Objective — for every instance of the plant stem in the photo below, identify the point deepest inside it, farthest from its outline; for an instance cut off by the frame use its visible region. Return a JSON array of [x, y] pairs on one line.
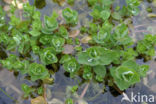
[[137, 26], [7, 94], [117, 89], [55, 67], [15, 3], [84, 91], [137, 31]]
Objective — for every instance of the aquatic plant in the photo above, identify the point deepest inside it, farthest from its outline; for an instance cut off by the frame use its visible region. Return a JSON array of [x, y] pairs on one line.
[[35, 47], [71, 16]]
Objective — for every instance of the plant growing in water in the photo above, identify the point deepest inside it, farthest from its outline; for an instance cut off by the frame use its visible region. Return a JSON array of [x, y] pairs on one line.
[[33, 46]]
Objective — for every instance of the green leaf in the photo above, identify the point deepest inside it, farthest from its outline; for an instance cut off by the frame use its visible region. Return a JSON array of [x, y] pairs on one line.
[[101, 37], [107, 2], [58, 43], [87, 74], [24, 47], [71, 66], [23, 26], [37, 71], [124, 76], [132, 6], [48, 56], [40, 90], [35, 33], [105, 14], [90, 57], [45, 39], [97, 56], [116, 16], [129, 54], [65, 58], [146, 46], [63, 32], [92, 2], [69, 101], [27, 90], [108, 56], [35, 49], [121, 35], [9, 62], [50, 24], [21, 66], [143, 70], [11, 45], [14, 21], [131, 64], [70, 16], [95, 14], [74, 89], [36, 15], [93, 28], [4, 38], [28, 10], [2, 17], [107, 26], [37, 25], [70, 1], [100, 71]]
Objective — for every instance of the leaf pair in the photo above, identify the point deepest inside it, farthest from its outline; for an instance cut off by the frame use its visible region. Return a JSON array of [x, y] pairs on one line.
[[70, 64], [70, 16], [50, 24], [97, 56], [128, 74], [146, 46]]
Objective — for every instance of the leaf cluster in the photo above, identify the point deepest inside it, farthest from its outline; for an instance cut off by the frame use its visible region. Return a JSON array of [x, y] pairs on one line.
[[33, 45]]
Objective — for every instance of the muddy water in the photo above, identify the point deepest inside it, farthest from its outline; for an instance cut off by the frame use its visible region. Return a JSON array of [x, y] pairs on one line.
[[142, 25]]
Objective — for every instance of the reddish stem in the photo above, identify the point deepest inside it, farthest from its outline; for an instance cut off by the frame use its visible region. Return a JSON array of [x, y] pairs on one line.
[[141, 31], [84, 91], [44, 93]]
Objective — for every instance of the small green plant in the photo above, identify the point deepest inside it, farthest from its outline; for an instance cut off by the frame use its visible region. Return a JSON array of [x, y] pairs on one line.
[[34, 46], [27, 90], [37, 71], [70, 2], [50, 24], [69, 101], [71, 16]]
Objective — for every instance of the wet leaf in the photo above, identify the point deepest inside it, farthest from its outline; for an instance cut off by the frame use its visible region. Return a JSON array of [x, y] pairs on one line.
[[48, 56], [38, 71], [70, 16]]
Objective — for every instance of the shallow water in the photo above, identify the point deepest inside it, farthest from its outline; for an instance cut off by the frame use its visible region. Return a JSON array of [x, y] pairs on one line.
[[11, 84]]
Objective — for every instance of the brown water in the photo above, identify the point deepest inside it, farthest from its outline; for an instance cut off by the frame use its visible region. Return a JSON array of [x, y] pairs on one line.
[[143, 25]]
